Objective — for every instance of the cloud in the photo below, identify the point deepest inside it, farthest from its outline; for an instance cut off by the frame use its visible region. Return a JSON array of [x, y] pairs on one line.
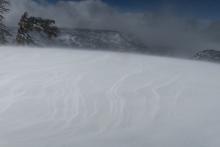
[[164, 30]]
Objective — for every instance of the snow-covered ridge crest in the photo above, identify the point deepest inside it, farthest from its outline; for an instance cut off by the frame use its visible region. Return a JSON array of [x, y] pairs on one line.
[[108, 40]]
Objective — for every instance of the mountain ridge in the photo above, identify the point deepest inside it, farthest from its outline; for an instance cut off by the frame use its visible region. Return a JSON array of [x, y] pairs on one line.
[[86, 38]]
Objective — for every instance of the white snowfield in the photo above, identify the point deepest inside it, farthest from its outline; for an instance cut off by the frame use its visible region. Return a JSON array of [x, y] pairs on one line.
[[73, 98]]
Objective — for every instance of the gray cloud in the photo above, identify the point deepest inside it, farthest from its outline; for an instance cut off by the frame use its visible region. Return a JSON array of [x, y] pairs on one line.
[[159, 30]]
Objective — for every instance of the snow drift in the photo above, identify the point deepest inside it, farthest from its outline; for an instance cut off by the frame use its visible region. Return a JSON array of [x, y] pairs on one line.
[[63, 98]]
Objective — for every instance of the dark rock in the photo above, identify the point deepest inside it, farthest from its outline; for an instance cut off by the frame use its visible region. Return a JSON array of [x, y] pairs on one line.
[[208, 55]]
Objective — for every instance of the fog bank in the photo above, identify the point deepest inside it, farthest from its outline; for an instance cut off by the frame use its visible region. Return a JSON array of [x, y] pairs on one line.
[[160, 30]]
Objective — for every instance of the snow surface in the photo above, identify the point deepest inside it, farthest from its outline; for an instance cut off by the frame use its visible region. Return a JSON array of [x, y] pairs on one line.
[[72, 98]]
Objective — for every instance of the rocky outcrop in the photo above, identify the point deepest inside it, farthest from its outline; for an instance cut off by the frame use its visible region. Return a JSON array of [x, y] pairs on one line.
[[208, 55]]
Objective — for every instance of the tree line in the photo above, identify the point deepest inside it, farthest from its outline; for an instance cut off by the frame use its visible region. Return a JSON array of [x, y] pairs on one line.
[[26, 25]]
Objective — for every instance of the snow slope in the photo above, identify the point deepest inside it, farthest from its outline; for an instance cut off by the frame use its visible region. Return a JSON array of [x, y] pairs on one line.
[[73, 98]]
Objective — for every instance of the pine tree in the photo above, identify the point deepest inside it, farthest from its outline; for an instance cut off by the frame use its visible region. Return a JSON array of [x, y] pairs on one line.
[[23, 36], [3, 29], [37, 24]]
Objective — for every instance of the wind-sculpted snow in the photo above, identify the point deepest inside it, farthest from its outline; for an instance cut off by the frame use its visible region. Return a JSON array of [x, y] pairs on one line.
[[73, 98]]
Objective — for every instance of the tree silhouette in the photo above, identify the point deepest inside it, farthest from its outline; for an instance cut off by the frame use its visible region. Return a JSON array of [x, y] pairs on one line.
[[29, 24], [3, 29]]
